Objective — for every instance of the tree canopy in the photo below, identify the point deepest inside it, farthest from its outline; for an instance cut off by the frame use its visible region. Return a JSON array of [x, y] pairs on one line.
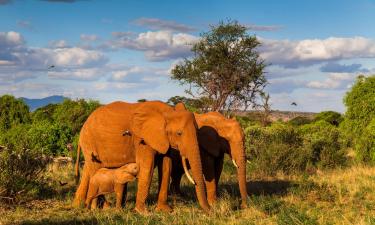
[[226, 67], [360, 116], [12, 112]]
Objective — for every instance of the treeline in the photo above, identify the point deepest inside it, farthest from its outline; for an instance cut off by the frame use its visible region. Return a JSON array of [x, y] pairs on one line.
[[330, 140], [29, 140]]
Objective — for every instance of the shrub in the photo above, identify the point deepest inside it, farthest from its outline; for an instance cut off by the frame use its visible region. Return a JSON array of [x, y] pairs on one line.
[[299, 120], [275, 148], [12, 112], [366, 143], [322, 140], [360, 104], [331, 117], [289, 149], [20, 173], [46, 137]]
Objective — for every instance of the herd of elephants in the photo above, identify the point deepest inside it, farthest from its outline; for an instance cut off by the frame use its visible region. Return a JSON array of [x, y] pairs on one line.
[[123, 142]]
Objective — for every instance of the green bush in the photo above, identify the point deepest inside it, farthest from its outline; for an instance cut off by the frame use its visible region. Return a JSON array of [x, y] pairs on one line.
[[275, 148], [334, 118], [360, 112], [322, 140], [299, 120], [21, 172], [12, 112], [366, 143], [285, 148]]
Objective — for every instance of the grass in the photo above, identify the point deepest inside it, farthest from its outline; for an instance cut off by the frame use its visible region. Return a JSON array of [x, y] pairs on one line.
[[341, 196]]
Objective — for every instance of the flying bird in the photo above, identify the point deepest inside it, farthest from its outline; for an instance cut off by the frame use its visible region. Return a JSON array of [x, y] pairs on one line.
[[51, 67], [293, 103]]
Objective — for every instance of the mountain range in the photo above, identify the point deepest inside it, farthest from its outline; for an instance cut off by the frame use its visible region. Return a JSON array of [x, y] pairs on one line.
[[37, 103]]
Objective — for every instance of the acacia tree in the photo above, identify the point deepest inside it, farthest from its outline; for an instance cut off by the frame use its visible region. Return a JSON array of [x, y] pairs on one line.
[[226, 68]]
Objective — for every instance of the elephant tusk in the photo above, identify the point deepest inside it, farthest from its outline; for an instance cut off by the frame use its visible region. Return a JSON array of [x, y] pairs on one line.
[[248, 161], [234, 163], [187, 171]]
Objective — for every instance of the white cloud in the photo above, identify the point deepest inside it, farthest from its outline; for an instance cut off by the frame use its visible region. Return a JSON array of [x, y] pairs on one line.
[[334, 81], [58, 44], [312, 51], [157, 45]]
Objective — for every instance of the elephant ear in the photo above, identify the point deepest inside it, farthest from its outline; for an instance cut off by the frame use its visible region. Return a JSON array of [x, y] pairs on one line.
[[209, 140], [180, 107], [123, 177], [149, 125]]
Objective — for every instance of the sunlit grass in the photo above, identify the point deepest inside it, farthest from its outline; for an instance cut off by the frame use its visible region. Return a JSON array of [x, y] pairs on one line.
[[341, 196]]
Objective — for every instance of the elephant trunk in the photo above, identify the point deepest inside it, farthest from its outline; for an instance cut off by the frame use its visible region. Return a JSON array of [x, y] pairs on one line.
[[196, 168], [239, 157]]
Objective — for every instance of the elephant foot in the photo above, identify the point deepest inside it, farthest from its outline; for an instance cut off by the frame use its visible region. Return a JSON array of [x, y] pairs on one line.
[[142, 210], [164, 208], [211, 202], [243, 205], [78, 203], [106, 205]]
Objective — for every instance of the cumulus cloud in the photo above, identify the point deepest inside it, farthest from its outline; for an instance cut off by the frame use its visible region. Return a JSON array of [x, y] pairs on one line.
[[334, 81], [18, 61], [339, 68], [58, 44], [158, 24], [292, 54], [157, 45]]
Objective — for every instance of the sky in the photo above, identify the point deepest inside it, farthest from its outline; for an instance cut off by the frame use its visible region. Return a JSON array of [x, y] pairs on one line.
[[124, 50]]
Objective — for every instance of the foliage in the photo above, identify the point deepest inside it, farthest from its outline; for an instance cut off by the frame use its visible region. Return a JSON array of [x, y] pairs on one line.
[[194, 105], [275, 148], [360, 112], [12, 112], [74, 113], [20, 173], [226, 67], [299, 120], [289, 149], [331, 117], [322, 140]]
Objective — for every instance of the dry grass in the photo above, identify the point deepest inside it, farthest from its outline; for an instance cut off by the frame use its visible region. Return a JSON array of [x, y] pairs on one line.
[[342, 196]]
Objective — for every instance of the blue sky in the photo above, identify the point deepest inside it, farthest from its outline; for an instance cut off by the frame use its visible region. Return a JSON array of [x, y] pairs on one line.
[[124, 50]]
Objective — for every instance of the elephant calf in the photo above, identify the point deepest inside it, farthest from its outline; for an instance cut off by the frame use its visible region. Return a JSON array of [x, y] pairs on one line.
[[107, 181]]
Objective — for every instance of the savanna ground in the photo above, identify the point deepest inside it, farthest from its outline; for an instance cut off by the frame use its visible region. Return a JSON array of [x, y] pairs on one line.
[[339, 196]]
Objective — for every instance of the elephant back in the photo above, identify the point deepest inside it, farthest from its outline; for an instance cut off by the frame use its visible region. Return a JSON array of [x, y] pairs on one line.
[[102, 134]]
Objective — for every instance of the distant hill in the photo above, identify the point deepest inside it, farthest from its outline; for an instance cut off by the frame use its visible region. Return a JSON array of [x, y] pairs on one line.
[[37, 103]]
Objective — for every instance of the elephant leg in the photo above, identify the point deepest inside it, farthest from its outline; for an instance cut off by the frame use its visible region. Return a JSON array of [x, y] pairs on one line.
[[81, 193], [145, 159], [91, 195], [176, 182], [218, 169], [119, 190], [209, 175], [94, 203], [124, 195], [164, 171]]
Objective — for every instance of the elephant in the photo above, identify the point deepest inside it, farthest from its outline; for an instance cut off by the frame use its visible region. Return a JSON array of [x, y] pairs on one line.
[[217, 135], [121, 133], [106, 181]]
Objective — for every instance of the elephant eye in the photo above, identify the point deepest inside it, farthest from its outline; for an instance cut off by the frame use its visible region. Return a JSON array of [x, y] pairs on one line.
[[179, 133]]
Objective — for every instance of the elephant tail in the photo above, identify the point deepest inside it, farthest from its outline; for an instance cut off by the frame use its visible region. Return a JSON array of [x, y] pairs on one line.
[[76, 169]]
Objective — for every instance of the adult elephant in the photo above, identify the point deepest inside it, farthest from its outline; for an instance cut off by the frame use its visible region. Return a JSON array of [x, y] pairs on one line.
[[217, 135], [121, 133]]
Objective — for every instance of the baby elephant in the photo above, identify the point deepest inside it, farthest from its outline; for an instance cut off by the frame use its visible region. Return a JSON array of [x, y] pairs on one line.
[[106, 181]]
